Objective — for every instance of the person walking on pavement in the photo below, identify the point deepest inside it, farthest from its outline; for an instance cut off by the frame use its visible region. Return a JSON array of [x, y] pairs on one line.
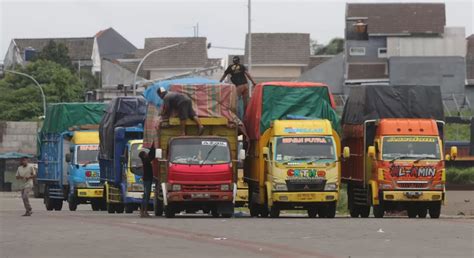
[[147, 178], [238, 76], [173, 103], [26, 173]]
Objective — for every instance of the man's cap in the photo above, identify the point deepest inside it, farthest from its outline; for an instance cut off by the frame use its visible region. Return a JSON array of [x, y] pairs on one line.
[[236, 58], [161, 90]]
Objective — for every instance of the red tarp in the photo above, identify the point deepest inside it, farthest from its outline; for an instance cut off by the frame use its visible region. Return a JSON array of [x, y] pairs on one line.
[[253, 114]]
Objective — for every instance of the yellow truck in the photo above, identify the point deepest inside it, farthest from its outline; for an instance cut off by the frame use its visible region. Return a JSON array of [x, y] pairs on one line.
[[295, 166]]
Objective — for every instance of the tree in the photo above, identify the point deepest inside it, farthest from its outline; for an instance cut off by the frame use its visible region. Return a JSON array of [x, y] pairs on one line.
[[58, 53], [334, 47], [20, 98]]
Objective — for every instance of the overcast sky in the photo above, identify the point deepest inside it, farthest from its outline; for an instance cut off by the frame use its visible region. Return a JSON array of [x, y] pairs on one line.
[[223, 22]]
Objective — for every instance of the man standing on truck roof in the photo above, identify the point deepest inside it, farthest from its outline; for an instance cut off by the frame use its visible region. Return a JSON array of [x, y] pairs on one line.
[[174, 102], [238, 76], [147, 178], [26, 173]]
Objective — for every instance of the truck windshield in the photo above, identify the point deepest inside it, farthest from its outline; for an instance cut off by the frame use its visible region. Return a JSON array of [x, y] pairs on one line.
[[199, 151], [87, 154], [135, 164], [304, 148], [410, 147]]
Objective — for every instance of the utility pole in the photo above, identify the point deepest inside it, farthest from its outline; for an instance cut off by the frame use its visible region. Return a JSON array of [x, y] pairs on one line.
[[249, 57]]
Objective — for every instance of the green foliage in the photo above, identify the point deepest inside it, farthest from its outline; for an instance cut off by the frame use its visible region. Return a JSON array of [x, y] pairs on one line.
[[21, 99], [460, 175], [334, 47], [91, 82], [58, 53], [457, 132], [342, 202]]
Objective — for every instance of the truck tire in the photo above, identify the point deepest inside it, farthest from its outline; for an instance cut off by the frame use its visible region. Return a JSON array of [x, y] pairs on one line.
[[110, 207], [364, 211], [96, 205], [58, 205], [378, 211], [312, 212], [354, 211], [169, 212], [119, 208], [264, 212], [129, 208], [227, 215], [214, 213], [412, 211], [331, 210], [253, 210], [48, 202], [274, 212], [157, 207], [72, 203], [422, 212], [435, 210]]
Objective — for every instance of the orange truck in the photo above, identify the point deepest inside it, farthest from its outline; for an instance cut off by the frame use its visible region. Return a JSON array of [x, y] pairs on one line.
[[397, 163]]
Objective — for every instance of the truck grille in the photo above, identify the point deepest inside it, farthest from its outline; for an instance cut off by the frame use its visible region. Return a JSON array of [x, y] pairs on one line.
[[305, 184], [91, 184], [412, 184], [200, 188]]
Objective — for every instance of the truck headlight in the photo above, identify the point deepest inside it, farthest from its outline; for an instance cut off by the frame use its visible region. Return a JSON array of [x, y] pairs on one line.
[[135, 187], [281, 187], [176, 188], [81, 185], [385, 186], [225, 187], [439, 186], [330, 187]]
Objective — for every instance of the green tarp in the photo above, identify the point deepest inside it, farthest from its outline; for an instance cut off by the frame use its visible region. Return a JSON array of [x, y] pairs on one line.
[[61, 116], [278, 102]]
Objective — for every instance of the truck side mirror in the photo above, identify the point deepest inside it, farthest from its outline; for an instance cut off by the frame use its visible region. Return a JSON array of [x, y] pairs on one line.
[[346, 153], [454, 152], [241, 154], [447, 157], [266, 152], [371, 152], [68, 157], [158, 153]]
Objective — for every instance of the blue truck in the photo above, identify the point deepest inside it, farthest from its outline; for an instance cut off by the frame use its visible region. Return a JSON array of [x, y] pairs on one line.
[[121, 137], [68, 149]]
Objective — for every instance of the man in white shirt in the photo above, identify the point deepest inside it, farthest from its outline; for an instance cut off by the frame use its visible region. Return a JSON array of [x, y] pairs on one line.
[[26, 173]]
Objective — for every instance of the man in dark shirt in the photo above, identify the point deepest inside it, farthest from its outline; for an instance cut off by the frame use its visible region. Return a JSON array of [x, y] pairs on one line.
[[238, 76], [174, 102], [147, 178]]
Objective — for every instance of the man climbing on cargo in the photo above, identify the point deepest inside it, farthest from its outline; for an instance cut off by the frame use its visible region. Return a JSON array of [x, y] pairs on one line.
[[238, 76], [26, 173], [147, 178], [181, 104]]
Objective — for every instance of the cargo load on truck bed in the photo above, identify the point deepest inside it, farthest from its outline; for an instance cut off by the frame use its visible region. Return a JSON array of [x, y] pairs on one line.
[[275, 100], [61, 116], [377, 101], [121, 112], [209, 100]]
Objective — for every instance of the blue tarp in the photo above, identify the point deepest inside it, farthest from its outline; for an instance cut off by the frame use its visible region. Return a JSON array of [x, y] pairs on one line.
[[14, 155], [150, 93]]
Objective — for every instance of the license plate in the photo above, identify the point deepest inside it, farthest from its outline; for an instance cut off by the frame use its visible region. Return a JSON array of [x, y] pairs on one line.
[[200, 195], [413, 195], [305, 196]]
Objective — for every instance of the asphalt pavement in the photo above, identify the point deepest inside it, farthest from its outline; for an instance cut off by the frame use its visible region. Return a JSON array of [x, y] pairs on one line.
[[85, 233]]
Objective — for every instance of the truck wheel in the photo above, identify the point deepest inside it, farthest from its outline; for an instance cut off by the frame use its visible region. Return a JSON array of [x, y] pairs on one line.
[[96, 205], [422, 212], [323, 212], [119, 208], [169, 212], [157, 207], [110, 207], [129, 208], [72, 203], [214, 213], [253, 210], [274, 212], [364, 211], [412, 212], [331, 210], [264, 212], [312, 212], [58, 205], [227, 215], [48, 203], [435, 210], [378, 211], [354, 211]]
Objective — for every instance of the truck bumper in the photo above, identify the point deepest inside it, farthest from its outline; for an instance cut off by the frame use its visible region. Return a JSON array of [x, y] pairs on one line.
[[300, 197], [412, 196], [136, 197], [200, 196], [90, 193], [242, 195]]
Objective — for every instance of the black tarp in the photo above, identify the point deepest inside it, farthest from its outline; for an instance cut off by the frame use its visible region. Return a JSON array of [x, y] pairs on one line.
[[381, 101], [121, 112]]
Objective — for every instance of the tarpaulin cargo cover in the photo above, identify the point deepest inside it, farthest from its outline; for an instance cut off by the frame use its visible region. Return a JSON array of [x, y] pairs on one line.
[[61, 116], [121, 112], [380, 101], [276, 100], [214, 100]]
